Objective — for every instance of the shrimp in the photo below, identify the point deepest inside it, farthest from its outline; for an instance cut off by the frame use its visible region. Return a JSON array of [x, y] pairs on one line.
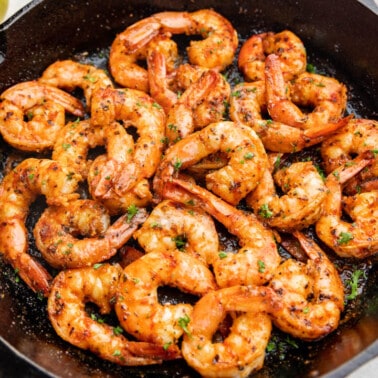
[[247, 159], [247, 106], [70, 292], [68, 75], [123, 58], [58, 229], [173, 225], [255, 262], [201, 104], [243, 350], [133, 108], [299, 207], [44, 108], [18, 190], [358, 136], [286, 45], [358, 239], [137, 306], [311, 294], [326, 95]]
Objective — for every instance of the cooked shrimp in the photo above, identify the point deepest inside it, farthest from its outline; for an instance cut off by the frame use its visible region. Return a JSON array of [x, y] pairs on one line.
[[248, 104], [18, 190], [137, 306], [247, 159], [201, 104], [359, 238], [326, 95], [68, 75], [300, 206], [243, 350], [44, 108], [137, 109], [70, 292], [311, 294], [255, 262], [286, 45], [58, 230], [172, 225], [128, 49], [358, 136]]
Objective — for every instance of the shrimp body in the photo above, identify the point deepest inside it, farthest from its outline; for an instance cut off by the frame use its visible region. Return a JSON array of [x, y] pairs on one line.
[[68, 75], [311, 294], [255, 262], [137, 306], [134, 108], [247, 159], [356, 239], [299, 207], [70, 292], [286, 45], [243, 350], [326, 95], [18, 190], [44, 108], [201, 104], [57, 234], [173, 225]]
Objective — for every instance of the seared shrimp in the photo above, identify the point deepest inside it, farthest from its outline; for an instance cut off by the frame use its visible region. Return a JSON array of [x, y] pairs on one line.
[[358, 238], [255, 262], [311, 294], [300, 206], [243, 350], [358, 136], [18, 190], [43, 107], [70, 292], [286, 45], [68, 75], [248, 104], [133, 108], [172, 225], [138, 308], [247, 159], [58, 230], [326, 95], [201, 104]]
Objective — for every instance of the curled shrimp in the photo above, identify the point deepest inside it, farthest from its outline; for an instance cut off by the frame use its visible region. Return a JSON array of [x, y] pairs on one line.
[[70, 292], [326, 95], [68, 75], [358, 136], [286, 45], [247, 159], [18, 190], [256, 260], [243, 350], [42, 106], [300, 206], [201, 104], [356, 239], [58, 230], [172, 225], [137, 109], [311, 294], [248, 105], [138, 308]]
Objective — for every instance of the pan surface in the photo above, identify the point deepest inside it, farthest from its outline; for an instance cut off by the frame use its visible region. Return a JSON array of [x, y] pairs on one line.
[[341, 39]]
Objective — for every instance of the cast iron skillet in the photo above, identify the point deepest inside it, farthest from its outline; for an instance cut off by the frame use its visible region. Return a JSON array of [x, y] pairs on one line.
[[341, 39]]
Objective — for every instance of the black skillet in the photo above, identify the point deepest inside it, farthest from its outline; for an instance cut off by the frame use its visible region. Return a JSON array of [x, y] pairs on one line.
[[341, 38]]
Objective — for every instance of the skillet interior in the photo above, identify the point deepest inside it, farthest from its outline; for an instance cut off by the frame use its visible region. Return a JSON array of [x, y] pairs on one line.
[[341, 39]]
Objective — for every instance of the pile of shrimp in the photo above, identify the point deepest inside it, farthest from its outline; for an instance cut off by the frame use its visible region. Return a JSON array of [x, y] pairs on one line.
[[185, 151]]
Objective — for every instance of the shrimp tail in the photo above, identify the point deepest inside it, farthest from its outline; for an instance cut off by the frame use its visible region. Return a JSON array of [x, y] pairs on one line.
[[323, 131]]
